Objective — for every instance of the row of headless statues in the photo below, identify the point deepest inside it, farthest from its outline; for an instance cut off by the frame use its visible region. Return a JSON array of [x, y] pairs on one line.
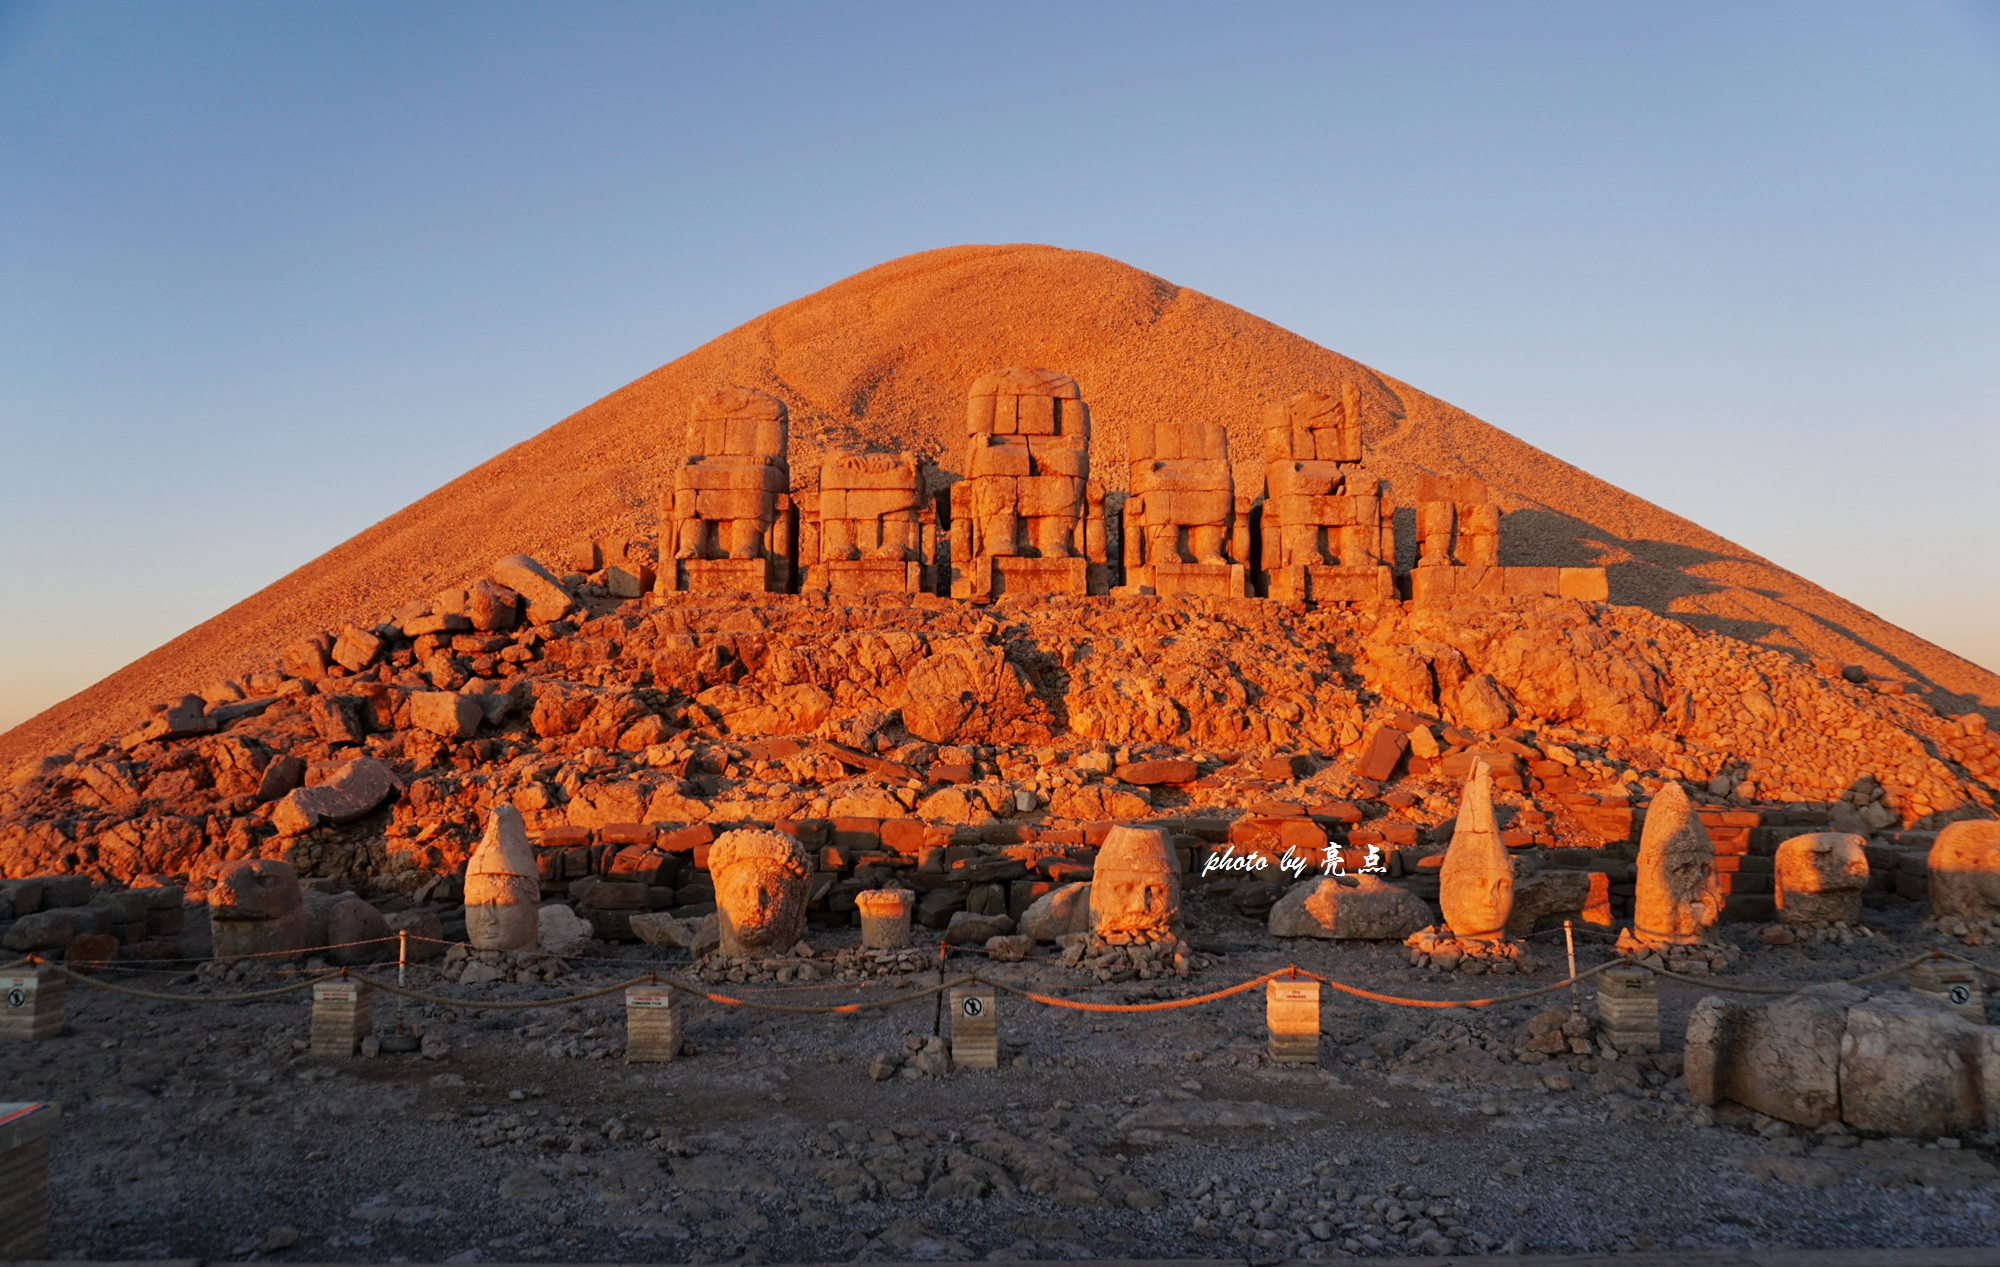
[[1028, 518]]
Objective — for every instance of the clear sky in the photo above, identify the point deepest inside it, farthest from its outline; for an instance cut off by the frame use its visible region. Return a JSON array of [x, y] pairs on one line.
[[269, 272]]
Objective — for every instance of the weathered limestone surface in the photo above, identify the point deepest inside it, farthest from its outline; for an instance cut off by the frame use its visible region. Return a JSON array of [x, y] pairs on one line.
[[730, 525], [871, 531], [502, 886], [1678, 897], [1135, 890], [1368, 909], [1182, 529], [761, 878], [1476, 883], [1965, 870], [1027, 518], [1820, 878], [354, 790]]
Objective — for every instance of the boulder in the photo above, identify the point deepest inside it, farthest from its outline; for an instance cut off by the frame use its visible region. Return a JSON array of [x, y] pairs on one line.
[[1369, 909], [1546, 899], [546, 598], [1058, 913], [1965, 871], [697, 936], [356, 649], [563, 932], [1780, 1058], [967, 929], [357, 933], [1820, 878], [1149, 773], [44, 930], [447, 714], [502, 886], [353, 791]]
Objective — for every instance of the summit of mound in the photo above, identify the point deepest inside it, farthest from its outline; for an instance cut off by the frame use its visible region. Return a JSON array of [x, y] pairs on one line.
[[883, 359]]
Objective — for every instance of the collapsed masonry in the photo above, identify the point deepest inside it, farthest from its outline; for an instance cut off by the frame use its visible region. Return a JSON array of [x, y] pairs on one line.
[[1025, 517]]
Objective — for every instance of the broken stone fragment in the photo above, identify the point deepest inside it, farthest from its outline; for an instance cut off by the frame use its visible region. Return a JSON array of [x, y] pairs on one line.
[[493, 607], [967, 929], [357, 933], [309, 658], [561, 931], [354, 790], [1368, 910], [1060, 912], [187, 716], [446, 714], [356, 649], [547, 599]]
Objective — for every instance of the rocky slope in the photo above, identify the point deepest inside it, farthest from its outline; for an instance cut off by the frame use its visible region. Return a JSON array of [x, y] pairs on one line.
[[884, 358]]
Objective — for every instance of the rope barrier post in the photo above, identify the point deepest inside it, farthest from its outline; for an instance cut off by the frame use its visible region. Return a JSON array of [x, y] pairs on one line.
[[975, 1027], [1628, 1007], [937, 1010], [402, 1041], [1952, 983], [652, 1023], [27, 1133], [1569, 944], [343, 1013], [1291, 1014], [31, 1003]]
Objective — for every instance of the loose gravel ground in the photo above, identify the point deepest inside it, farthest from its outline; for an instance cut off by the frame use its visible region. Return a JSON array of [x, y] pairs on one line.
[[204, 1130]]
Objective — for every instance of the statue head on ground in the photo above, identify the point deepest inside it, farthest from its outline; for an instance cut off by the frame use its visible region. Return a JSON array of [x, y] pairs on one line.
[[1136, 887], [761, 884], [1678, 897], [1476, 883]]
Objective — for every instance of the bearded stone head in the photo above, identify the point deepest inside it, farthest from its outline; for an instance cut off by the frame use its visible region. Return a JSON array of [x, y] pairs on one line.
[[1135, 887], [761, 882]]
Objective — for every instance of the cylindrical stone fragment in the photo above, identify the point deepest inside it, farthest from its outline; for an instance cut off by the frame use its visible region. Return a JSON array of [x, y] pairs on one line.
[[885, 917]]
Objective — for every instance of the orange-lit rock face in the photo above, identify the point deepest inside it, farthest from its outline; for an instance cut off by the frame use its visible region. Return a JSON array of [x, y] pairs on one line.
[[761, 880], [255, 907], [1134, 889]]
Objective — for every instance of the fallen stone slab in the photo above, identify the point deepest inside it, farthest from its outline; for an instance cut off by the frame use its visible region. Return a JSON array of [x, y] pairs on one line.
[[547, 599], [356, 789]]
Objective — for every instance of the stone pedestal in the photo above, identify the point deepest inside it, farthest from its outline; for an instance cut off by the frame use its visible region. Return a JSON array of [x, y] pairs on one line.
[[1588, 585], [1291, 1014], [31, 1004], [1217, 580], [885, 917], [27, 1132], [975, 1029], [874, 576], [726, 576], [1628, 1009], [1956, 985], [652, 1023], [1309, 583], [343, 1013]]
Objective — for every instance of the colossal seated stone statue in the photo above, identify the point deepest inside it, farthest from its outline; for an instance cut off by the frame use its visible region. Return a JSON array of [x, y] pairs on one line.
[[1027, 518], [871, 531], [1183, 534], [731, 524], [1458, 550], [1327, 528]]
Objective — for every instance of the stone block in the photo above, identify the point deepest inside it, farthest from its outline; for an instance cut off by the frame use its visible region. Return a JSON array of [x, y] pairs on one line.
[[1628, 1009], [27, 1134], [652, 1023], [1291, 1016], [1369, 909], [356, 649], [885, 917], [446, 714], [343, 1013], [726, 576], [1532, 582], [31, 1004], [873, 576], [975, 1028], [1588, 585], [1040, 576], [1781, 1058], [547, 600], [1218, 580], [1910, 1066]]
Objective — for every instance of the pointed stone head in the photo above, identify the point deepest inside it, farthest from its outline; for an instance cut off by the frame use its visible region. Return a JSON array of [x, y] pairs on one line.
[[1135, 886], [1678, 895], [1476, 883], [762, 880], [503, 888]]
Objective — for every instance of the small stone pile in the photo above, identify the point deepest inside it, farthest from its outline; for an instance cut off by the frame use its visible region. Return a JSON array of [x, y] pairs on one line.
[[1973, 932], [477, 967], [1696, 960], [1813, 935], [1437, 948], [920, 1058], [1118, 957], [743, 970]]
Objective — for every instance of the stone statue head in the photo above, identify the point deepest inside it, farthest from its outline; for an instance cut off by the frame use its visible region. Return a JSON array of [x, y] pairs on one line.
[[1678, 896], [1965, 870], [255, 889], [1135, 887], [761, 881], [1820, 878], [1476, 883]]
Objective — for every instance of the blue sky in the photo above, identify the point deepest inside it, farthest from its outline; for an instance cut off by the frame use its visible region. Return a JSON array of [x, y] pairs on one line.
[[270, 272]]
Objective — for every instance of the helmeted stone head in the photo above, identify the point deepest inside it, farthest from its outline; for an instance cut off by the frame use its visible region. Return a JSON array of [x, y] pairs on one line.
[[1476, 883], [761, 881], [1135, 887], [1820, 878]]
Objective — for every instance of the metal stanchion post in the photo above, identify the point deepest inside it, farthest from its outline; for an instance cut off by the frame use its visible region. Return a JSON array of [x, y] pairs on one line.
[[1569, 943], [402, 1041]]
